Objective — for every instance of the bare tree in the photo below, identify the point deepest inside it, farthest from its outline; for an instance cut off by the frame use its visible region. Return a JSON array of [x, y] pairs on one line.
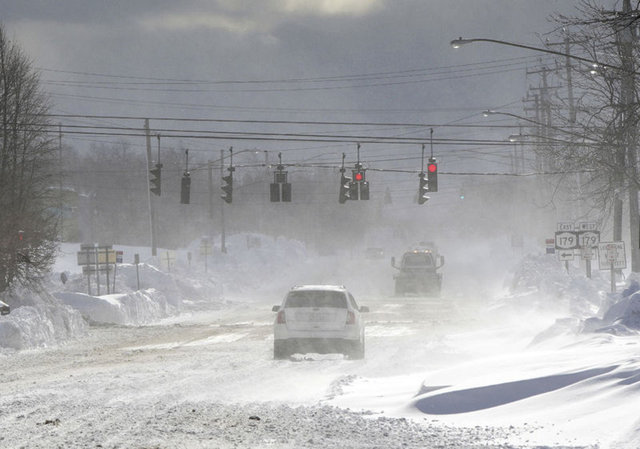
[[28, 218], [605, 117]]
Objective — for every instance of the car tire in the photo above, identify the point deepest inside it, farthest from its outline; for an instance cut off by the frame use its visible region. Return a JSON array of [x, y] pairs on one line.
[[280, 351], [357, 351]]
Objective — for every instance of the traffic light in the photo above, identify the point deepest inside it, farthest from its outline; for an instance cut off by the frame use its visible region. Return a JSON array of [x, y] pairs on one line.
[[432, 176], [156, 174], [280, 183], [286, 192], [185, 188], [345, 184], [423, 189], [364, 190], [227, 186], [359, 186]]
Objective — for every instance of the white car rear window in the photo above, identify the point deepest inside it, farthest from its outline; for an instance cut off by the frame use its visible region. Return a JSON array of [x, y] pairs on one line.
[[316, 298]]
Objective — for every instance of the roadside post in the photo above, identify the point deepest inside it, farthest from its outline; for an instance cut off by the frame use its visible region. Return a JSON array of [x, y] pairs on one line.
[[85, 258], [119, 257], [170, 257], [97, 268], [205, 250], [136, 260], [106, 256]]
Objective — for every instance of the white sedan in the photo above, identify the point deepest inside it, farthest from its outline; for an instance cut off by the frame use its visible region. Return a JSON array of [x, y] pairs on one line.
[[319, 318]]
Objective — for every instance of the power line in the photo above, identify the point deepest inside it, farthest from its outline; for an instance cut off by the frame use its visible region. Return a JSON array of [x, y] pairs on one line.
[[520, 60], [279, 122]]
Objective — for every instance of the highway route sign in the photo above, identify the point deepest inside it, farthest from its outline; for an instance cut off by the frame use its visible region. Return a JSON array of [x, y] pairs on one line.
[[588, 239], [566, 240]]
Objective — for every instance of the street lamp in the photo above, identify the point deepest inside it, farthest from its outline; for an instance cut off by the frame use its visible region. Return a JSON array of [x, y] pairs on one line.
[[489, 112], [457, 43]]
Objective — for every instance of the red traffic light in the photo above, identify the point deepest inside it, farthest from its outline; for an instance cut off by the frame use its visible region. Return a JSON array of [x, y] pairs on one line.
[[432, 168], [358, 176]]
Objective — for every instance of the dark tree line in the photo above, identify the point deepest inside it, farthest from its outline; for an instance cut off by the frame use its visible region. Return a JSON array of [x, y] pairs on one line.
[[28, 218]]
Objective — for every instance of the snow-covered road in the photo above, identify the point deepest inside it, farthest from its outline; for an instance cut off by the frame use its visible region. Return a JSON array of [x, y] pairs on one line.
[[207, 379]]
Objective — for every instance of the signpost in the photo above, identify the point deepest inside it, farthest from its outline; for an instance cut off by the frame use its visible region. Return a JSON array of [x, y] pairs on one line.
[[170, 258], [566, 242], [588, 239], [612, 257], [583, 236], [95, 259], [136, 260], [205, 250]]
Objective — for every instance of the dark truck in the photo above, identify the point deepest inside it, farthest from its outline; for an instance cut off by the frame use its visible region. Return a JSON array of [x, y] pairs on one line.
[[418, 273]]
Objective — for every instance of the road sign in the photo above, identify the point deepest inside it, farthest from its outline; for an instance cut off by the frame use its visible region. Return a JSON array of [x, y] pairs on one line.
[[551, 246], [565, 255], [566, 240], [87, 257], [588, 239], [106, 256], [612, 252], [565, 226], [587, 253], [587, 226], [205, 247]]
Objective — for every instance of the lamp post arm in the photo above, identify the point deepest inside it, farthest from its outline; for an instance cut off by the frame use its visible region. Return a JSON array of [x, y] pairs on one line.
[[526, 119], [456, 43]]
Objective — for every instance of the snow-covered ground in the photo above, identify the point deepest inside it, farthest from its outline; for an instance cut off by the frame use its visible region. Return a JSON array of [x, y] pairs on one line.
[[544, 360]]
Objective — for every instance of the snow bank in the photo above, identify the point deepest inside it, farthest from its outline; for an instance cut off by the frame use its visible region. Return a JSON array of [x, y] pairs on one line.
[[621, 316], [141, 307], [542, 283], [37, 319]]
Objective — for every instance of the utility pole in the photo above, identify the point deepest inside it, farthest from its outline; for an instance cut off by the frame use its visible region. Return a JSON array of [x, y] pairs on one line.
[[626, 39], [544, 110], [210, 171], [223, 246], [60, 197], [154, 249]]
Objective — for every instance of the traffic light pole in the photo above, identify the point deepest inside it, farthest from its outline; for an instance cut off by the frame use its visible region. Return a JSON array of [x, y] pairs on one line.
[[154, 249]]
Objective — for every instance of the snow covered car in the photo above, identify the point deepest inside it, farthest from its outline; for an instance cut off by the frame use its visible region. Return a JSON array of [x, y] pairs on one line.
[[319, 318], [4, 308]]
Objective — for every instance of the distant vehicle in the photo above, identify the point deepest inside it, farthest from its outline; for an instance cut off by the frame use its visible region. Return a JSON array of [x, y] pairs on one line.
[[418, 273], [4, 308], [374, 253], [319, 318]]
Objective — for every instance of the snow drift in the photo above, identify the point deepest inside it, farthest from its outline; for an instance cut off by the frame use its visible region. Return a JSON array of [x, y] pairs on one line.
[[38, 319]]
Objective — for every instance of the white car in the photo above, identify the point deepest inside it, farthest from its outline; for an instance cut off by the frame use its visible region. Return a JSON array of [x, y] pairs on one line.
[[319, 318]]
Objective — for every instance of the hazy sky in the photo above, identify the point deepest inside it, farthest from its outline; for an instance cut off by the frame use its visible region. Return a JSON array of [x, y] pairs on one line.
[[339, 60]]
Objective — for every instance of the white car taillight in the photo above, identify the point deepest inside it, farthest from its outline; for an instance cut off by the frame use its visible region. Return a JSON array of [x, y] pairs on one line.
[[351, 317], [281, 318]]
